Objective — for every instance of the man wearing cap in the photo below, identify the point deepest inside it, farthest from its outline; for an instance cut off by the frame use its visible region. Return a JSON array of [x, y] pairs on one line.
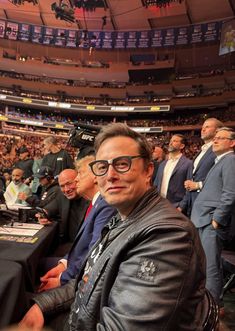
[[25, 163], [49, 186]]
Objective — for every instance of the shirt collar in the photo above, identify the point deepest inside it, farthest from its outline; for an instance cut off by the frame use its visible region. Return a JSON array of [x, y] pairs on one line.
[[176, 157], [95, 197], [206, 146], [220, 156]]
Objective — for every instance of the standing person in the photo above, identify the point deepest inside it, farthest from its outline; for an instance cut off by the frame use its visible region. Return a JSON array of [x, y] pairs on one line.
[[158, 155], [201, 165], [147, 272], [25, 163], [55, 158], [172, 172], [214, 207]]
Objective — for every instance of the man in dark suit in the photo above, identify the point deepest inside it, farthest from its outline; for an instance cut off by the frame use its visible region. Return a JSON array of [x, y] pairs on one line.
[[172, 173], [67, 207], [201, 165], [90, 231], [214, 206]]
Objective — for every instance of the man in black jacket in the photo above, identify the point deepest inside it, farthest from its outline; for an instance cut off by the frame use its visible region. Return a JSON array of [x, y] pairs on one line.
[[147, 272], [49, 189], [67, 207]]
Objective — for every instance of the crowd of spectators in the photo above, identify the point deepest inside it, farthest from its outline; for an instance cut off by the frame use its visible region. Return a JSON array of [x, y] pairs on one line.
[[185, 118], [10, 146], [32, 137], [105, 99]]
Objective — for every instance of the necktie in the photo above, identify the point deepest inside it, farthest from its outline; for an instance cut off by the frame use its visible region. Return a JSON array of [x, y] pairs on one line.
[[88, 210]]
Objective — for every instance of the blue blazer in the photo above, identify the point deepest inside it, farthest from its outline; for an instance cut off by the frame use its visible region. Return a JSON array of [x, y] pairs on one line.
[[199, 175], [176, 190], [88, 234], [217, 197]]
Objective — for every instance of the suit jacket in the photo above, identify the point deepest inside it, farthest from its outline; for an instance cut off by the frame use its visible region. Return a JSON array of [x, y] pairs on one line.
[[217, 197], [88, 234], [59, 210], [199, 175], [176, 190]]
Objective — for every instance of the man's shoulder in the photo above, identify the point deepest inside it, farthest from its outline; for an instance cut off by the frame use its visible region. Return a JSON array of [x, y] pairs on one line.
[[185, 160]]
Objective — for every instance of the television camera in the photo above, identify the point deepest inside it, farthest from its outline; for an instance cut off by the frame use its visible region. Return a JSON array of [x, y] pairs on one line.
[[83, 137]]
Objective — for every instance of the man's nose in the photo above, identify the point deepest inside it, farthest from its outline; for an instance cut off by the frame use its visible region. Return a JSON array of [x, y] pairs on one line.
[[111, 172]]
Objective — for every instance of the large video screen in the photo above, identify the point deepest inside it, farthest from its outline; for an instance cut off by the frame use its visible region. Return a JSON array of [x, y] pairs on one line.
[[227, 39]]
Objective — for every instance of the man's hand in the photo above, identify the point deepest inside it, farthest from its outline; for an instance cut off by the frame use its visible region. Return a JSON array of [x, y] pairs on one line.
[[48, 284], [215, 224], [22, 196], [191, 186], [51, 278], [33, 319], [53, 273]]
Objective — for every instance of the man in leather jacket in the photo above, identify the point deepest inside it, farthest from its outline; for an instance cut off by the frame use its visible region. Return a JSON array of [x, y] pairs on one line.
[[147, 271]]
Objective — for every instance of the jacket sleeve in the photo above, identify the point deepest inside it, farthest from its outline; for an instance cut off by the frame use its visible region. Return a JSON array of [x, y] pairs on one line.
[[151, 283], [227, 200], [86, 242], [56, 300]]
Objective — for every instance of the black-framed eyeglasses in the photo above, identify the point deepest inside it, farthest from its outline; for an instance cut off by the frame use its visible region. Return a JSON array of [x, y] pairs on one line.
[[121, 164], [221, 138]]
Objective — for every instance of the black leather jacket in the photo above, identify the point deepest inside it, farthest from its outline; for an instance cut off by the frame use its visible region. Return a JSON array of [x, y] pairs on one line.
[[150, 276]]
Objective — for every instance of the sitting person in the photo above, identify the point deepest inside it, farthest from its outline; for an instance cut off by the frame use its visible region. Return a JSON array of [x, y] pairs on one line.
[[147, 271], [16, 186], [49, 189], [99, 214], [68, 208]]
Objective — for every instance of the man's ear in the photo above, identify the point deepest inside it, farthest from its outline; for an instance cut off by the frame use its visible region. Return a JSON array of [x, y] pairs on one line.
[[95, 180], [149, 170]]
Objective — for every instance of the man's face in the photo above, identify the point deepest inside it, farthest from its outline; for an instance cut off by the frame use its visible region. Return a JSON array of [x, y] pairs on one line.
[[17, 175], [85, 181], [43, 181], [68, 186], [123, 190], [46, 148], [157, 153], [175, 144], [208, 130], [23, 156], [222, 142]]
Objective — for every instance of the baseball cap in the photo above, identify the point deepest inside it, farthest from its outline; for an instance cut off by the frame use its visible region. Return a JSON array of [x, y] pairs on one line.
[[44, 171], [23, 149]]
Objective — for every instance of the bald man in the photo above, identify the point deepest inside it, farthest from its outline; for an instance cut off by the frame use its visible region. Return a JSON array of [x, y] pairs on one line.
[[68, 206]]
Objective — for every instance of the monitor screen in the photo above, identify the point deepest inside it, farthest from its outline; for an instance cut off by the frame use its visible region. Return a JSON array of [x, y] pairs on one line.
[[227, 39]]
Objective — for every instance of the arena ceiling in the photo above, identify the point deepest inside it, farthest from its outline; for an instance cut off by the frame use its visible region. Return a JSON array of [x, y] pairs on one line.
[[121, 14]]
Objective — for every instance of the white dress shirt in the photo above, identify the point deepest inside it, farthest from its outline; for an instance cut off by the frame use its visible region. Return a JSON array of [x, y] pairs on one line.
[[168, 170], [204, 149]]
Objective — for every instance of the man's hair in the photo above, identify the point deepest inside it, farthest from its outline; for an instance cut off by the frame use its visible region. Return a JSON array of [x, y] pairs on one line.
[[22, 171], [230, 130], [182, 137], [218, 123], [87, 159], [50, 140], [122, 130]]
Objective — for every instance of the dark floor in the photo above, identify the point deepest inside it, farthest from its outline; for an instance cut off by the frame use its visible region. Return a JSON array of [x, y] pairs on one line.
[[228, 323]]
